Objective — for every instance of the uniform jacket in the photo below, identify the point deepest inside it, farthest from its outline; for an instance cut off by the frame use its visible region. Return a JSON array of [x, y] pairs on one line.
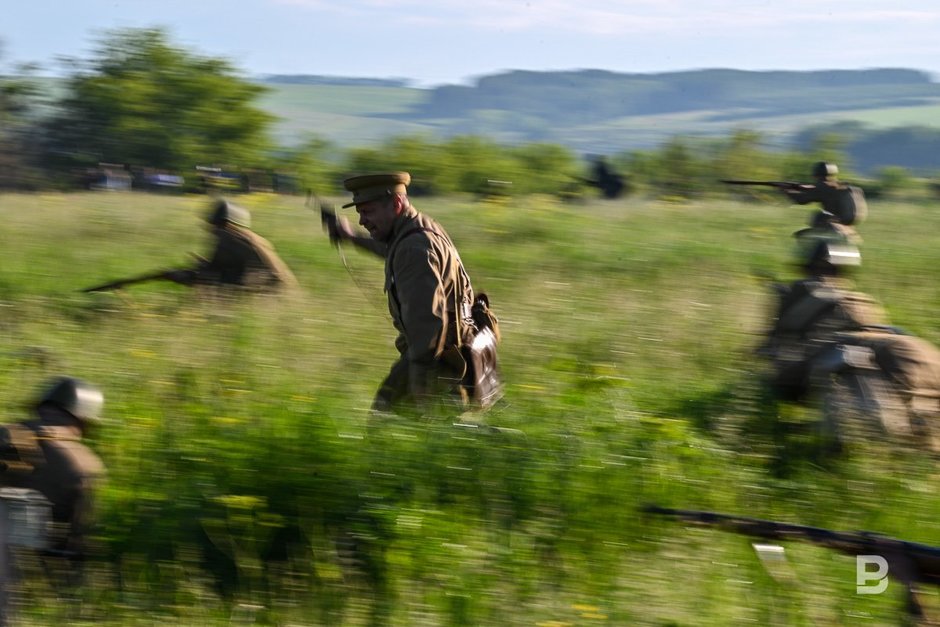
[[825, 193], [429, 299], [66, 473], [242, 257]]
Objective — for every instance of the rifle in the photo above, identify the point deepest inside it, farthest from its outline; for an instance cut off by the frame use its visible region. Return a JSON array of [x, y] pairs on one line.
[[793, 185], [908, 562], [116, 285]]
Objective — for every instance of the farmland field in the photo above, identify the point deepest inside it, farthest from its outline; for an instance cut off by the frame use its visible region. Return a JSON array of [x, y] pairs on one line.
[[249, 484]]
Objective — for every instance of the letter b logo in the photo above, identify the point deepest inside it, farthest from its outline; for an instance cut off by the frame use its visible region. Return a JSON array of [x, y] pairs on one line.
[[863, 575]]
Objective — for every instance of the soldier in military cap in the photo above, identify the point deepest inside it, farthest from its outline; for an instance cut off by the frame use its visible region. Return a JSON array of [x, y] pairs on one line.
[[430, 297], [240, 257], [46, 454]]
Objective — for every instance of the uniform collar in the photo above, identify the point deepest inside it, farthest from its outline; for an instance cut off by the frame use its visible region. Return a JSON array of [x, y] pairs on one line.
[[402, 223]]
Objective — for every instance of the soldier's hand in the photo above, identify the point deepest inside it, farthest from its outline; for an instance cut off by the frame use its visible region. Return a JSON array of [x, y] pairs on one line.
[[337, 227]]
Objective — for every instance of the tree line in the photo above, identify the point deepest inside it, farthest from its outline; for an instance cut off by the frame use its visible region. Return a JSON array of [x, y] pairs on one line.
[[140, 103]]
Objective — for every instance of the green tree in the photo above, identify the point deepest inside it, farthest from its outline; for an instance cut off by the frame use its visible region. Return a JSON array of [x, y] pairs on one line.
[[18, 128], [679, 172], [141, 100], [546, 168], [310, 163]]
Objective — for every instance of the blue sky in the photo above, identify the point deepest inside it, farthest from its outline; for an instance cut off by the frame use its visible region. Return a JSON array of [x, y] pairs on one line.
[[434, 42]]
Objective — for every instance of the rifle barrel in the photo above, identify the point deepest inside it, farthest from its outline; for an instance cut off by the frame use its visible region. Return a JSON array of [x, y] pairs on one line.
[[113, 285], [926, 558]]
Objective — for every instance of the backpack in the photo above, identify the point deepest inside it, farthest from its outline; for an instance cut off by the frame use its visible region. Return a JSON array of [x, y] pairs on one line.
[[850, 206], [828, 309]]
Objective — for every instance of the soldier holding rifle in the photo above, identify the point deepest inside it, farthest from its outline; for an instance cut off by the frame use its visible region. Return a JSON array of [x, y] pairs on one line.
[[240, 257], [841, 205]]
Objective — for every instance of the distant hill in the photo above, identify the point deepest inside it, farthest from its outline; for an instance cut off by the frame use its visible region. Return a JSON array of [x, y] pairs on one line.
[[316, 79], [603, 112]]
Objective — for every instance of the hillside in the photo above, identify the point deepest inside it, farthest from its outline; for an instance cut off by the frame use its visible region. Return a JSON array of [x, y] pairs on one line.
[[604, 112]]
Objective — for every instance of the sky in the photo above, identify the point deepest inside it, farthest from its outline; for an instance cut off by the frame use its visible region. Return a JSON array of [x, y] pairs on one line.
[[435, 42]]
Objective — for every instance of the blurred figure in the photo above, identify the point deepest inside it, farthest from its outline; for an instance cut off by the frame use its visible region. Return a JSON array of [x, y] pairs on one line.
[[240, 257], [446, 337], [841, 205], [45, 456], [610, 184], [833, 345], [45, 453]]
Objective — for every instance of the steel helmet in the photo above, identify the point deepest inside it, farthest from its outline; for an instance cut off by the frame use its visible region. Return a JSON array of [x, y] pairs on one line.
[[223, 211], [79, 398], [824, 169], [827, 255]]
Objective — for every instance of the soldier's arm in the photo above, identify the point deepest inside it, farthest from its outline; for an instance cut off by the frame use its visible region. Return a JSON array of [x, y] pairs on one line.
[[803, 195], [340, 229], [370, 245]]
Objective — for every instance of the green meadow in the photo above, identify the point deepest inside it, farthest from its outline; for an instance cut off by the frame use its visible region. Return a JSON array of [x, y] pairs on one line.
[[249, 484]]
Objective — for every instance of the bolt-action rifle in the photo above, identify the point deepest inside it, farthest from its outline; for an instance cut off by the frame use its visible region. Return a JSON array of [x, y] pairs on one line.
[[164, 275], [909, 563], [120, 283], [794, 185]]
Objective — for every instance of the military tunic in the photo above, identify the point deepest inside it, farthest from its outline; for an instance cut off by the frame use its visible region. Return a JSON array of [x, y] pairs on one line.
[[66, 472], [429, 299], [242, 257], [841, 204]]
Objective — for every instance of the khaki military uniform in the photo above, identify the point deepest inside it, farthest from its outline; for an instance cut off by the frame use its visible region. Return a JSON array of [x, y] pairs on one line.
[[841, 206], [242, 257], [62, 469], [429, 299], [811, 315], [821, 317]]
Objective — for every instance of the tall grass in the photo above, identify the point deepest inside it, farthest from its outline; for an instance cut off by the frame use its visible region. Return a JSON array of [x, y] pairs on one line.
[[248, 482]]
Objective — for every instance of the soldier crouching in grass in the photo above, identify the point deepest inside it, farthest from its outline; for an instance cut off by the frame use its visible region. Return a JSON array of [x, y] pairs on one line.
[[446, 337], [240, 256]]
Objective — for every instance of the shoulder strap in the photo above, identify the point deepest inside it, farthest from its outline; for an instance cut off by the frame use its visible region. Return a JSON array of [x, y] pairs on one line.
[[458, 296]]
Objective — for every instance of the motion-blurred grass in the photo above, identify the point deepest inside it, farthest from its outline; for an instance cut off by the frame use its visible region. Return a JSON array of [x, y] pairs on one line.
[[248, 483]]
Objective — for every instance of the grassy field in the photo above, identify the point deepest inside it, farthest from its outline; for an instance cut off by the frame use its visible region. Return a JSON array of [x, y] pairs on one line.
[[248, 483]]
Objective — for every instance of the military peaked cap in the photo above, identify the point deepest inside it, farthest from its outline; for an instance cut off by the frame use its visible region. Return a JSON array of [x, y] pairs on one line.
[[366, 187]]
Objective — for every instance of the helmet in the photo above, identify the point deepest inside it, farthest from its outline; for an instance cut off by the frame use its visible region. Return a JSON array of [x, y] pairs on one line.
[[827, 255], [223, 211], [823, 169], [81, 399]]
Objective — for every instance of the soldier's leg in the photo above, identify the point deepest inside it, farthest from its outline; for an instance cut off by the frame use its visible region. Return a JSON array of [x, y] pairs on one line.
[[394, 388]]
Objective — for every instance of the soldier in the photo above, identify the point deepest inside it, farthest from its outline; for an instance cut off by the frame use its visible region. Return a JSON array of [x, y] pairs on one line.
[[841, 205], [605, 179], [430, 299], [241, 257], [46, 454], [813, 309], [836, 345]]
